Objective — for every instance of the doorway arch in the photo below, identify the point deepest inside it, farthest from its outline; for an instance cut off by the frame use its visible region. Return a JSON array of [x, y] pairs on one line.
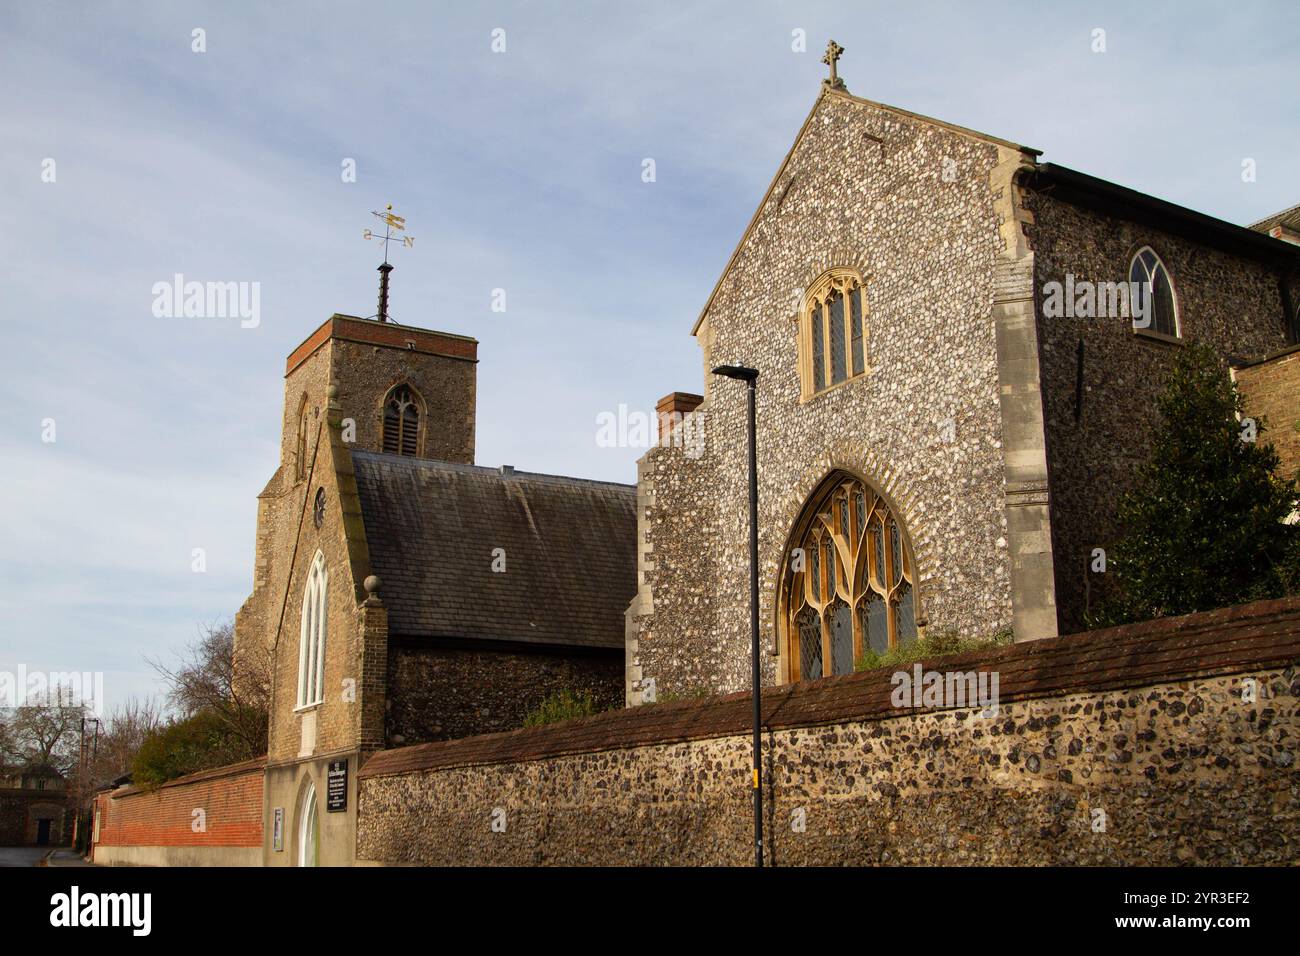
[[309, 829]]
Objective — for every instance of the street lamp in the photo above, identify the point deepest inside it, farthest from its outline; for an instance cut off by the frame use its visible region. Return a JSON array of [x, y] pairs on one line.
[[750, 377]]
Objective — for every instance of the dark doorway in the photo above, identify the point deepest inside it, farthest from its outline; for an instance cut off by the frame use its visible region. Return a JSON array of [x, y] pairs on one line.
[[43, 832]]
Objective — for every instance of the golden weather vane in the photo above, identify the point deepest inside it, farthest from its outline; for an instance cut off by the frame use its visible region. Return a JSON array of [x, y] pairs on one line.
[[392, 223]]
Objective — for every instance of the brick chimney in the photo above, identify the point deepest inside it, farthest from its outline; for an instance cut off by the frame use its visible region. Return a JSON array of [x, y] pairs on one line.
[[672, 408]]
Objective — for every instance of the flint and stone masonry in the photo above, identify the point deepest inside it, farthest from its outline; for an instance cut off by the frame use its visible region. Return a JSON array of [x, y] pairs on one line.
[[1165, 743], [459, 597], [1001, 438]]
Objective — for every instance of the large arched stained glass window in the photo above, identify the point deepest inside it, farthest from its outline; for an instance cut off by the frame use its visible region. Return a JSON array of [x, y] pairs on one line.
[[847, 583]]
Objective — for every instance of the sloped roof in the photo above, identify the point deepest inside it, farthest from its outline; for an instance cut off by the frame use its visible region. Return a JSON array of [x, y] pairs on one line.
[[1070, 185], [1287, 217], [432, 526]]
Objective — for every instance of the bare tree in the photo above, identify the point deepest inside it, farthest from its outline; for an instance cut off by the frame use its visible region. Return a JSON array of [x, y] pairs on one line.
[[45, 734], [209, 679], [125, 730]]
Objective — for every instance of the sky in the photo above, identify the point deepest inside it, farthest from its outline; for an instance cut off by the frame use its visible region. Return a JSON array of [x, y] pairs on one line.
[[129, 155]]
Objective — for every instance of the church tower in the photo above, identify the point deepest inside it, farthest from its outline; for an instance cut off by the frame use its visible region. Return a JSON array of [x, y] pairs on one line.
[[402, 390], [391, 387], [316, 625]]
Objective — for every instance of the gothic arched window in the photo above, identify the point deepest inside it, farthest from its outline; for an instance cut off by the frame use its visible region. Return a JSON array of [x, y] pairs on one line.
[[300, 459], [401, 422], [847, 581], [311, 638], [1148, 273], [309, 829], [833, 331]]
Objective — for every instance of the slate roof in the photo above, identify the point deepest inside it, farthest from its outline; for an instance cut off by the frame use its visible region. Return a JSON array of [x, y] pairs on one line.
[[1287, 217], [431, 527]]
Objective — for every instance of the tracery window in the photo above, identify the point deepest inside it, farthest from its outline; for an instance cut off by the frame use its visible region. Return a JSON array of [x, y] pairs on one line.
[[833, 331], [1149, 272], [401, 422], [311, 637], [847, 581]]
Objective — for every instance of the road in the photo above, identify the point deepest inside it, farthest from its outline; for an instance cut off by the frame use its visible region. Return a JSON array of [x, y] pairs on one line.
[[22, 855]]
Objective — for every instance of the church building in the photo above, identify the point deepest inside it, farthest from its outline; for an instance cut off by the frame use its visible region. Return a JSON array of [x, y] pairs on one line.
[[403, 594], [941, 443]]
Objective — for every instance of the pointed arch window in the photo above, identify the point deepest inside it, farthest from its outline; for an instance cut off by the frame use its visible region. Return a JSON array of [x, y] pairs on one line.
[[1147, 271], [401, 422], [300, 458], [311, 639], [833, 331], [309, 829], [847, 582]]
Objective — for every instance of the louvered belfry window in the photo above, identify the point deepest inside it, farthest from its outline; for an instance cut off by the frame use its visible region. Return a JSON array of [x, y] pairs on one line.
[[847, 586], [401, 422], [833, 331]]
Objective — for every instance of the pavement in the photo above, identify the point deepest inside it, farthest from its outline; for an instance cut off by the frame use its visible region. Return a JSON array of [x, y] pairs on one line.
[[22, 855], [40, 856], [66, 857]]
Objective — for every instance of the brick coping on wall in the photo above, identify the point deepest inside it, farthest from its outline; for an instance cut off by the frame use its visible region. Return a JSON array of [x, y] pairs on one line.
[[1225, 641], [257, 764], [1244, 363]]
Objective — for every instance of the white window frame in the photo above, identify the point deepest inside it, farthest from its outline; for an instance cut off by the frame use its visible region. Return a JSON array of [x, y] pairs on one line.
[[312, 633], [1150, 331]]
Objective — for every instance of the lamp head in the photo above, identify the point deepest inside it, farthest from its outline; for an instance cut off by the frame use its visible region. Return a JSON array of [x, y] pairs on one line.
[[740, 372]]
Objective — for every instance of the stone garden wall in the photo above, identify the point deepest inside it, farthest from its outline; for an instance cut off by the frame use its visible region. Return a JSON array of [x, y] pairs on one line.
[[1168, 742]]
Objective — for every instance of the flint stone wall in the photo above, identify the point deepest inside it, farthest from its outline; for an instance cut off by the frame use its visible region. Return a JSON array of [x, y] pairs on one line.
[[911, 205], [1131, 746], [444, 693], [1101, 423]]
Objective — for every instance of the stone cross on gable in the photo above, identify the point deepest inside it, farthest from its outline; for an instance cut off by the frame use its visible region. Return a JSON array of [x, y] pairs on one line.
[[833, 51]]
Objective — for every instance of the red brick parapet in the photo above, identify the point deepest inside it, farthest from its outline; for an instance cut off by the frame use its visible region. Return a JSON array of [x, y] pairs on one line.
[[384, 334]]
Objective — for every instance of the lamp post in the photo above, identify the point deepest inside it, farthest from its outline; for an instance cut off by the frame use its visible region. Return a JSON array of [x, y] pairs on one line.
[[750, 376]]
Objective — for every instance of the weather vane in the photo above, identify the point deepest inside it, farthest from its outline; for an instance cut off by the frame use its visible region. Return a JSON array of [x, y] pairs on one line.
[[392, 222]]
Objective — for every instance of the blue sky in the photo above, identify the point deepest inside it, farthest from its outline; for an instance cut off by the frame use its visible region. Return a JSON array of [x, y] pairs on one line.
[[518, 170]]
